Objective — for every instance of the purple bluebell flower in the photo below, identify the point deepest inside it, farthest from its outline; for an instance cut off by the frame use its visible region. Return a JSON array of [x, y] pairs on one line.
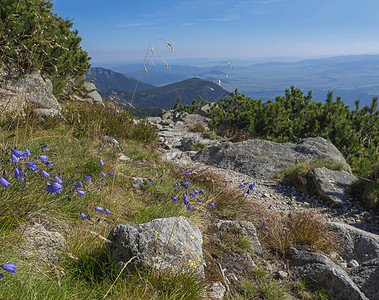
[[182, 170], [18, 153], [99, 209], [195, 191], [45, 174], [176, 185], [212, 205], [81, 193], [57, 179], [34, 169], [5, 173], [202, 191], [184, 185], [199, 200], [223, 185], [187, 180], [100, 147], [1, 275], [103, 174], [43, 158], [246, 183], [174, 198], [240, 186], [50, 163], [193, 194], [107, 211], [101, 162], [112, 174], [4, 183], [88, 178], [17, 172], [82, 216], [14, 158], [151, 180], [189, 174], [189, 207], [266, 227], [27, 152], [11, 268], [45, 150], [57, 187], [78, 185], [49, 188], [88, 217], [251, 186], [31, 164], [185, 199], [260, 220]]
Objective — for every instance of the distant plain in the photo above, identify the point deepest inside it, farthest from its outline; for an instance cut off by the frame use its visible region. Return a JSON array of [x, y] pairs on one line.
[[350, 77]]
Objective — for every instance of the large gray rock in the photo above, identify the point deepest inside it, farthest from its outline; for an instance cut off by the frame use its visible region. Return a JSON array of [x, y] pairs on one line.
[[318, 267], [366, 277], [358, 244], [34, 88], [243, 228], [94, 98], [174, 242], [363, 247], [331, 185], [88, 87], [263, 159]]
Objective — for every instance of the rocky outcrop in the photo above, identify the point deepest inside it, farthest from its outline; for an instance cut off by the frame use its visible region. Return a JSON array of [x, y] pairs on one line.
[[174, 243], [330, 185], [361, 249], [88, 93], [31, 88], [319, 268], [263, 159]]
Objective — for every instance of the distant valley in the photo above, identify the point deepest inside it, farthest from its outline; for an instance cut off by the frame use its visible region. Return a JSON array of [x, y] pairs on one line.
[[119, 88], [350, 77]]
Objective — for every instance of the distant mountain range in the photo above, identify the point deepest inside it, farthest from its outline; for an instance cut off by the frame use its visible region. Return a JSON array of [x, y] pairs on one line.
[[118, 87], [351, 77], [107, 79]]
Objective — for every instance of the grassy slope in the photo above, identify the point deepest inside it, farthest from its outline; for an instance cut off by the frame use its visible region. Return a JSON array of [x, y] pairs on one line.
[[85, 271]]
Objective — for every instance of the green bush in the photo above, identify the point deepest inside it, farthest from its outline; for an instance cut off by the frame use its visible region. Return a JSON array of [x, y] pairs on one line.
[[32, 36]]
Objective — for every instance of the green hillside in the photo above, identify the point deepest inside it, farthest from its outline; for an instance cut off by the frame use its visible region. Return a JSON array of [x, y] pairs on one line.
[[107, 79]]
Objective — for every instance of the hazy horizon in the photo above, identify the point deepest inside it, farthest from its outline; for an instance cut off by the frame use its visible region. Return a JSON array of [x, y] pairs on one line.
[[224, 30]]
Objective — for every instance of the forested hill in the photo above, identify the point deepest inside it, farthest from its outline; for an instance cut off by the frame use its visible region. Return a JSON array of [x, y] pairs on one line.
[[162, 97], [187, 90], [107, 79]]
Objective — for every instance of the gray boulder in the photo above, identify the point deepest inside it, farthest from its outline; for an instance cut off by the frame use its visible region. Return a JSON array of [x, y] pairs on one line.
[[88, 87], [34, 88], [94, 98], [358, 244], [244, 228], [174, 243], [319, 268], [263, 159], [330, 185], [366, 277]]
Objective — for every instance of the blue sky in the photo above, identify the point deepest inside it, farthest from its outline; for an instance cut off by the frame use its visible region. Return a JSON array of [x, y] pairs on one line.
[[121, 30]]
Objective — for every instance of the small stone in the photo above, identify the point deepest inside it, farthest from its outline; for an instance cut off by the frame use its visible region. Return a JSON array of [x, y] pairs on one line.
[[216, 291], [353, 263], [282, 275]]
